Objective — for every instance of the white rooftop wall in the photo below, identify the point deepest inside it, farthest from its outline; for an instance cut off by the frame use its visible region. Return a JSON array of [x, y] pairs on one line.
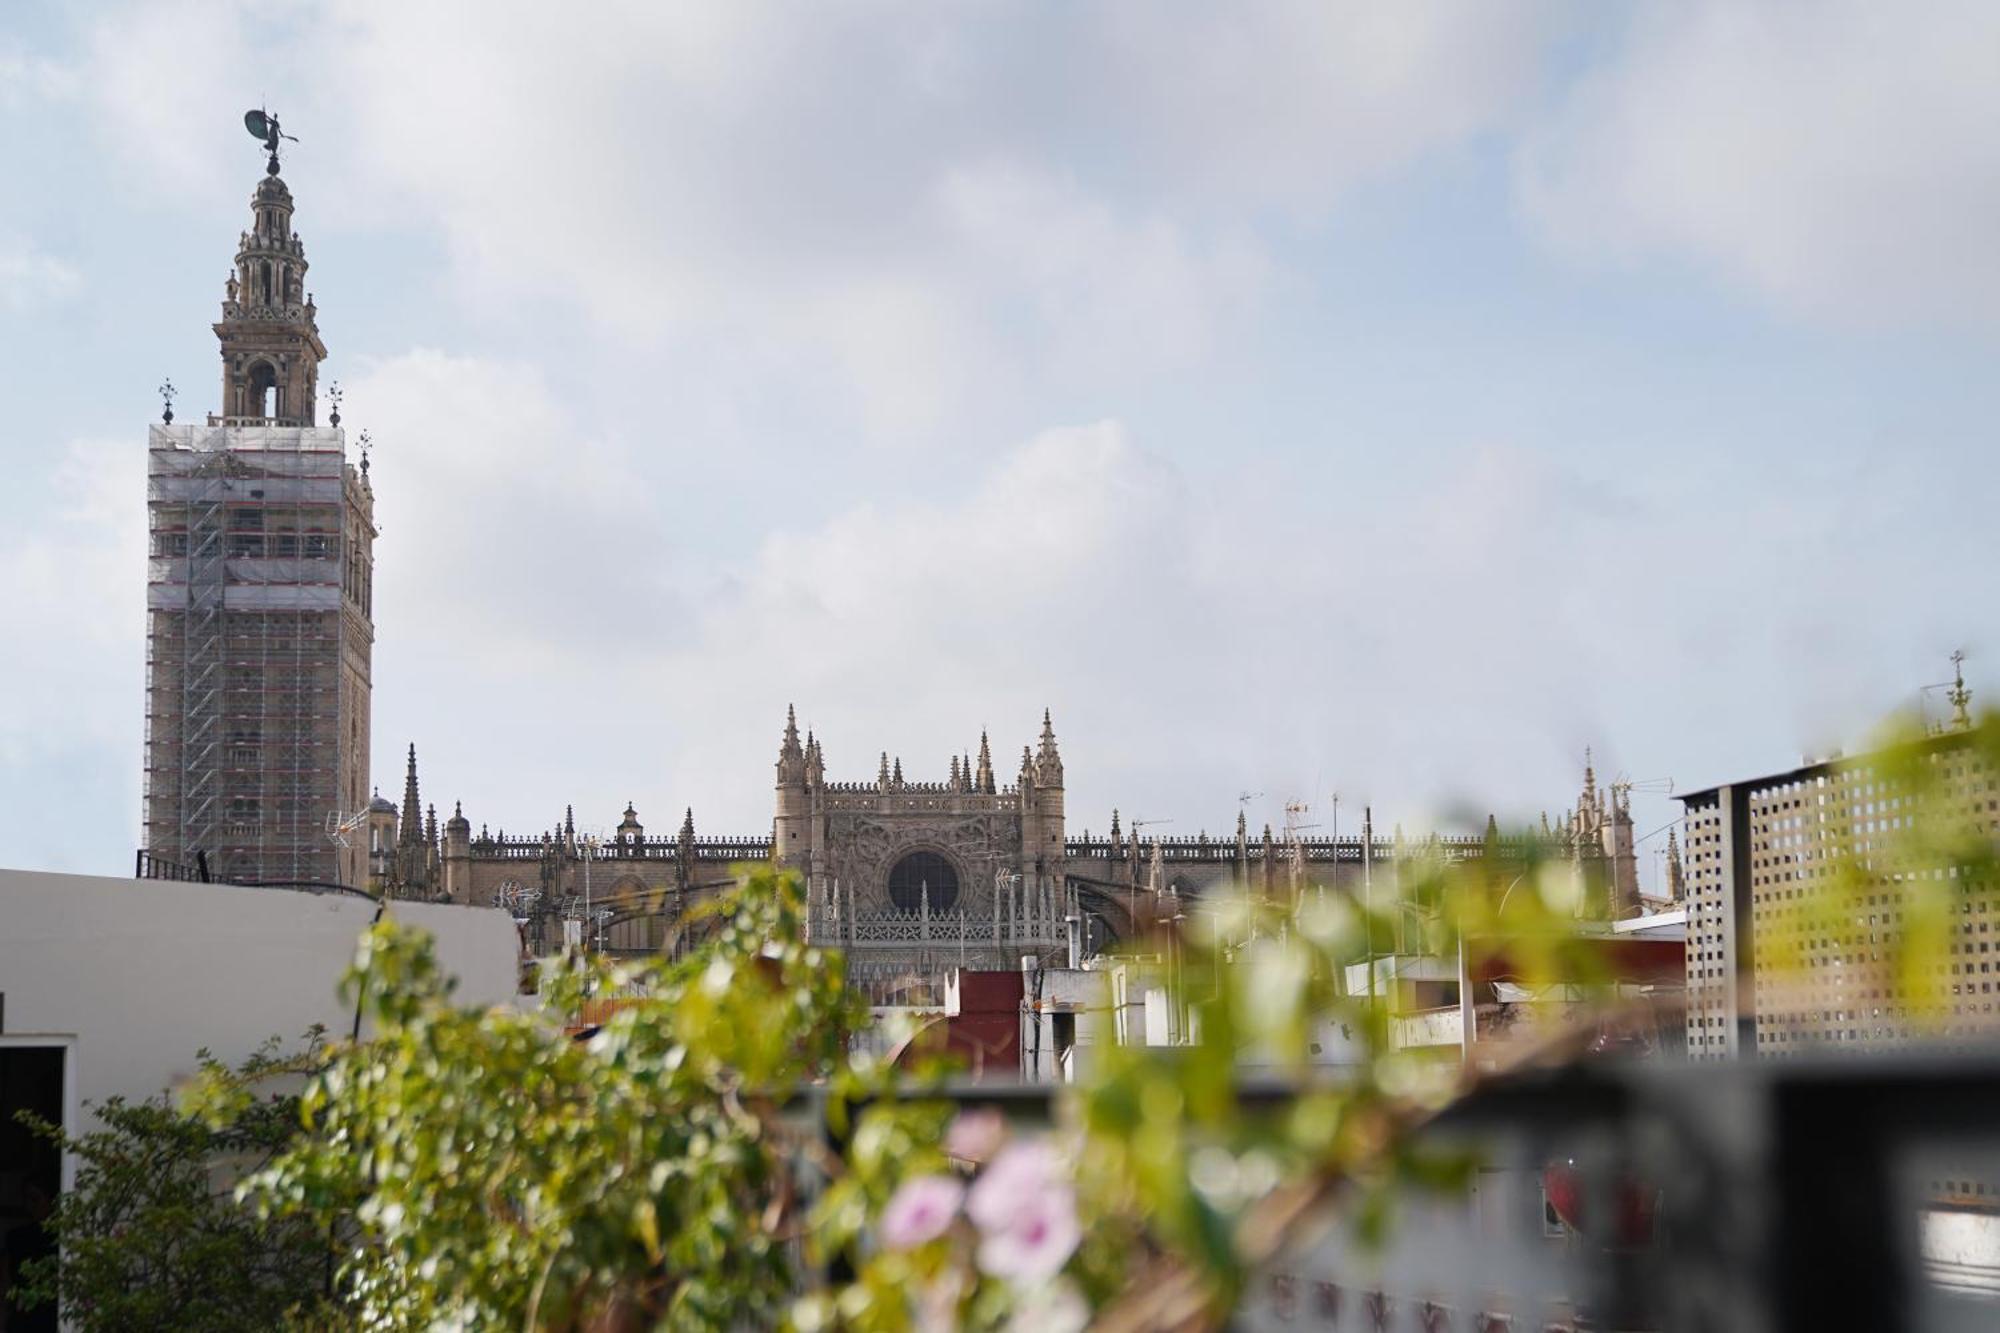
[[133, 977]]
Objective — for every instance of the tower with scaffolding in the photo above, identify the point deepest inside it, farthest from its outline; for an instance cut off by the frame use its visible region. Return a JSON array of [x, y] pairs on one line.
[[259, 626]]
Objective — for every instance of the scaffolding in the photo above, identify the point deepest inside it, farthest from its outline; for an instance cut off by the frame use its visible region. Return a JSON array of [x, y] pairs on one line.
[[257, 649]]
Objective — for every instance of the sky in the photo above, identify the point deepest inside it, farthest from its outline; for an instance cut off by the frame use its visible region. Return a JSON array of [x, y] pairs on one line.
[[1388, 400]]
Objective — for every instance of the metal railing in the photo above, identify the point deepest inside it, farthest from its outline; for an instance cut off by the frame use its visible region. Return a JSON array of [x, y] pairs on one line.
[[145, 865]]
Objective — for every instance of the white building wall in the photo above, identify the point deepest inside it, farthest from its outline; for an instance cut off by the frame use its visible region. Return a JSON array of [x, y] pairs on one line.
[[132, 977]]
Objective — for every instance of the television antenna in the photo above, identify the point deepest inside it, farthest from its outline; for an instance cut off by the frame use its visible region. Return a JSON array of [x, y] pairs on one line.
[[519, 899], [338, 825], [263, 125]]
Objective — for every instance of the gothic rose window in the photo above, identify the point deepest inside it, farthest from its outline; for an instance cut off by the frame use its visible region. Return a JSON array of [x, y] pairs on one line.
[[922, 873]]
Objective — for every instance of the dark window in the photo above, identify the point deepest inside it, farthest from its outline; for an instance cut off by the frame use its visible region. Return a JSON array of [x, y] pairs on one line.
[[920, 874], [31, 1079]]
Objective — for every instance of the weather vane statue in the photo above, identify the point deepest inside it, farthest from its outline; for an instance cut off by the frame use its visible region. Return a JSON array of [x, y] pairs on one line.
[[263, 125]]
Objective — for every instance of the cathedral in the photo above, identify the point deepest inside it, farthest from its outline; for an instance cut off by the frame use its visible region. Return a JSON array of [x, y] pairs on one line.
[[260, 636], [910, 878]]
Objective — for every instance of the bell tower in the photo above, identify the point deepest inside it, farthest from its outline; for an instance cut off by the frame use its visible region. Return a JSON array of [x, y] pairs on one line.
[[269, 332], [260, 594]]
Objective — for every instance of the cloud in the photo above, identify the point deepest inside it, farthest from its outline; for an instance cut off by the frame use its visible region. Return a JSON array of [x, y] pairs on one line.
[[72, 598], [502, 521], [1189, 648], [30, 279], [1836, 159], [926, 207]]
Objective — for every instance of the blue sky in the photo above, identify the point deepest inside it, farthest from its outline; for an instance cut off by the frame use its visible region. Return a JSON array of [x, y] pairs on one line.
[[1393, 400]]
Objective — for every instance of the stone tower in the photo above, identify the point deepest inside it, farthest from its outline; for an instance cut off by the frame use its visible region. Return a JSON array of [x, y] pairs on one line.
[[789, 829], [260, 593]]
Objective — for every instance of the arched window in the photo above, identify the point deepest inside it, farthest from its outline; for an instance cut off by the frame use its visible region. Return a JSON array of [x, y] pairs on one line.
[[264, 283], [922, 873], [263, 390]]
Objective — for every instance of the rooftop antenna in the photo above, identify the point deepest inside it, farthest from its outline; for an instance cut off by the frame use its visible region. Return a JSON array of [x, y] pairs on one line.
[[263, 125]]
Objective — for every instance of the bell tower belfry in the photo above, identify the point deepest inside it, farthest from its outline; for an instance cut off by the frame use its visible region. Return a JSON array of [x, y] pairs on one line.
[[269, 331]]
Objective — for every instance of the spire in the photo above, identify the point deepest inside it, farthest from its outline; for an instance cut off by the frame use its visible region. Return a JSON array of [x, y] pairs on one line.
[[984, 780], [431, 827], [791, 758], [952, 781], [882, 775], [271, 349], [1048, 763], [1116, 840], [896, 773], [409, 829], [815, 762]]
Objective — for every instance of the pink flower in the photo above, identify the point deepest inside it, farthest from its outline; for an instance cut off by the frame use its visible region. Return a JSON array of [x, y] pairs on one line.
[[1026, 1213], [1037, 1241], [975, 1136], [1009, 1185], [920, 1211]]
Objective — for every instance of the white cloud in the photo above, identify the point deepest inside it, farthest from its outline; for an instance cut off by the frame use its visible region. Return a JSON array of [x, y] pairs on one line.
[[1835, 158], [72, 600], [931, 207], [502, 522], [30, 278]]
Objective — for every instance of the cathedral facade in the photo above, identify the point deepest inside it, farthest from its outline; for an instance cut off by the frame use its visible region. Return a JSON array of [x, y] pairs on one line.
[[912, 877]]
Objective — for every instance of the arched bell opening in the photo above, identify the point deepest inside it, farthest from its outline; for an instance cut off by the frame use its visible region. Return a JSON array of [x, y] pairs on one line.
[[262, 392]]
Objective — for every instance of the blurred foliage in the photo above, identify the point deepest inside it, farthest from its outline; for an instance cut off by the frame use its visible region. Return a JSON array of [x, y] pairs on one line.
[[151, 1234], [502, 1172], [654, 1172], [705, 1147]]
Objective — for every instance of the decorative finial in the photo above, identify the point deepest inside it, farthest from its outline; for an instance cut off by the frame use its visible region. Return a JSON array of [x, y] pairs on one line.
[[1961, 697], [167, 400], [366, 444], [333, 396]]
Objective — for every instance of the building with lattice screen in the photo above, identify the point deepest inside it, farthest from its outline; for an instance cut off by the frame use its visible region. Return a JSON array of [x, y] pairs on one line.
[[1804, 887], [259, 629]]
